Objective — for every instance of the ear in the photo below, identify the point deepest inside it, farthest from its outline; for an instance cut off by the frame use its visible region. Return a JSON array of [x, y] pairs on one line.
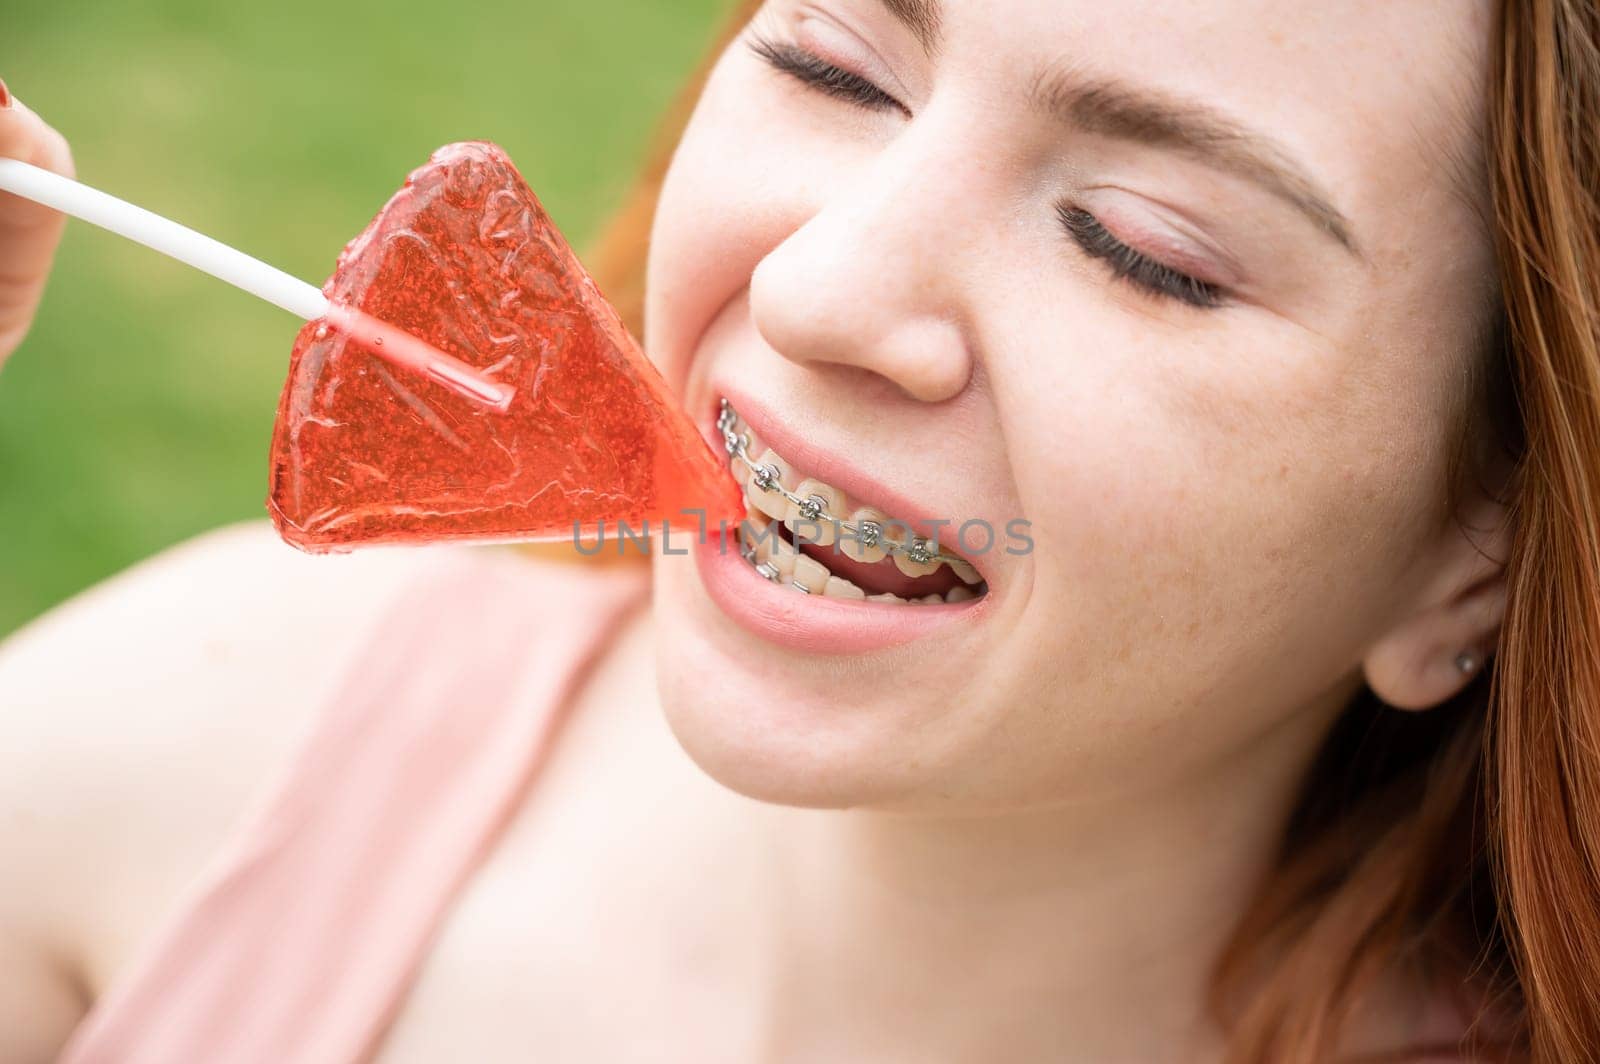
[[1418, 664]]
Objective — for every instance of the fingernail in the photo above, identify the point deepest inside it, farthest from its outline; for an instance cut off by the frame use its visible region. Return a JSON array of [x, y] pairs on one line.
[[5, 96]]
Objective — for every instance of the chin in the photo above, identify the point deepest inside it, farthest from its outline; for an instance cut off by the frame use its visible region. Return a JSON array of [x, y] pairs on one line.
[[765, 724]]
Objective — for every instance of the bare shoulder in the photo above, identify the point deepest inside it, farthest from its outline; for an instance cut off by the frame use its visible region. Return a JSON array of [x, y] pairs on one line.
[[220, 636], [138, 719], [201, 610]]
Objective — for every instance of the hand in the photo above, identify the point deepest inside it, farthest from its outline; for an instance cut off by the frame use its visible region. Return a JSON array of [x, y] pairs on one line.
[[29, 233]]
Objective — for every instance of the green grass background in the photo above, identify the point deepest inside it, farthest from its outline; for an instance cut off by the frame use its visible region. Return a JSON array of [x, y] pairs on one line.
[[139, 410]]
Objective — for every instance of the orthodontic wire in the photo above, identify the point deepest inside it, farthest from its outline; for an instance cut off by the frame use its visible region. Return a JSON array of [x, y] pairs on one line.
[[813, 508]]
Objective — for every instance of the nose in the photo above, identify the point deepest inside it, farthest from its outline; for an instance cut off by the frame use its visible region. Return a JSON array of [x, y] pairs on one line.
[[870, 277]]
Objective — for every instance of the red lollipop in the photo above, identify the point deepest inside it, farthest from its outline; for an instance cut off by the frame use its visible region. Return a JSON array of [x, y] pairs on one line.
[[464, 258]]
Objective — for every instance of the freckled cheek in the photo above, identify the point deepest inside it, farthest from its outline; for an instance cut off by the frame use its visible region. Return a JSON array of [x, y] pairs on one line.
[[1168, 535]]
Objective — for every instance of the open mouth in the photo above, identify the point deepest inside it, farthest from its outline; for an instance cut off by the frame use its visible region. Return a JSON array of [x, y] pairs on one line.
[[807, 535]]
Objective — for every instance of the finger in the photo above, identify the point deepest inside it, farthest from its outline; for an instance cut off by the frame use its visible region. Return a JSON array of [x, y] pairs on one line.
[[26, 136], [29, 232]]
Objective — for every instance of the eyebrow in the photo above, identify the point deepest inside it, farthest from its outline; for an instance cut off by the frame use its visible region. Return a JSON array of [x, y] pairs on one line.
[[1125, 112], [1113, 109], [922, 17]]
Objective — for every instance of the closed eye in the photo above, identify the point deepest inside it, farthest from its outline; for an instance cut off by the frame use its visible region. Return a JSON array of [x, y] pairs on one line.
[[1127, 264], [1135, 267], [823, 76]]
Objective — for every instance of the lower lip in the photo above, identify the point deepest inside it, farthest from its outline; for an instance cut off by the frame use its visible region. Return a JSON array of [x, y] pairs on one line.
[[813, 623]]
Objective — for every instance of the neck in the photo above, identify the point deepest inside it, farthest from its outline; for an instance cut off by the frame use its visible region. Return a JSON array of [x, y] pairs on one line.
[[1081, 932]]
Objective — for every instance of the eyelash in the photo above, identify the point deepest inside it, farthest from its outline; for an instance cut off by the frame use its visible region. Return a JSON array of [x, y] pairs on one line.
[[823, 76], [1084, 228], [1127, 264]]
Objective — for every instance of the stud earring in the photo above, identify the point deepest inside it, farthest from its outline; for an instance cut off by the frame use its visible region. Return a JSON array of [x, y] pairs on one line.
[[1467, 662]]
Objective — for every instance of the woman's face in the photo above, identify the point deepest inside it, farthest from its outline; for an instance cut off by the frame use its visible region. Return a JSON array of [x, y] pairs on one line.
[[1172, 302]]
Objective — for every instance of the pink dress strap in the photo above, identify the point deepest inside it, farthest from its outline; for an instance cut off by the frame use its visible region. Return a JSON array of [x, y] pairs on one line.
[[300, 938]]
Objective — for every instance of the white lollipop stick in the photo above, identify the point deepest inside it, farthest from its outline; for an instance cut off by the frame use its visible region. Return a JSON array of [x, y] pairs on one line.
[[252, 275]]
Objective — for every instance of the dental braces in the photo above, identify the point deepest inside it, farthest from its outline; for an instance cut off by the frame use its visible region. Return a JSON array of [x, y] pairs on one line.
[[813, 508]]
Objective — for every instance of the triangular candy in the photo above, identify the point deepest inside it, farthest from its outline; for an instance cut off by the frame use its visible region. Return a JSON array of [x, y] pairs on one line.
[[465, 258]]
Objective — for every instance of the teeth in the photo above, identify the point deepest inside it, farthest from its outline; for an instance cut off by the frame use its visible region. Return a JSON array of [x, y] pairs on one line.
[[777, 552], [840, 588], [810, 574], [753, 500], [854, 547], [753, 528], [812, 517], [904, 562], [967, 573], [815, 519], [770, 502], [780, 561]]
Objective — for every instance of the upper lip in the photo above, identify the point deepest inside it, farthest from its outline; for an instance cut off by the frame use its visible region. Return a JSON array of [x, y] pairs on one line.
[[812, 460]]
